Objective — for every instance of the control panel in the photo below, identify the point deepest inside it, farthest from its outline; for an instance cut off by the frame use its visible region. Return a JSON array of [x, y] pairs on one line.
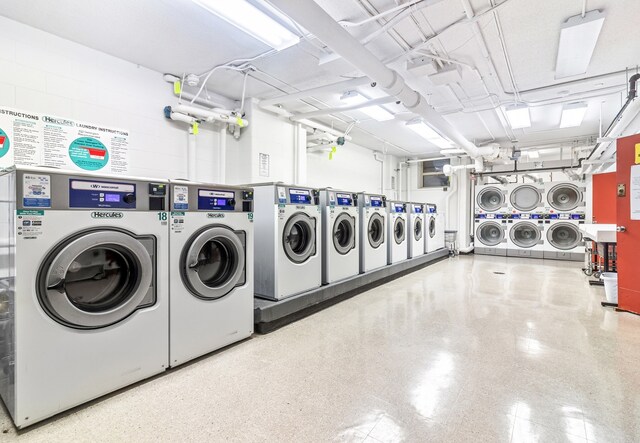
[[432, 209], [398, 207], [418, 209], [300, 196], [344, 199], [376, 201], [97, 194], [216, 200]]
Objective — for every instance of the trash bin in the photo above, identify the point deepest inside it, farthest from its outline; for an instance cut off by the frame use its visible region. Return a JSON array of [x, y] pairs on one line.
[[610, 280]]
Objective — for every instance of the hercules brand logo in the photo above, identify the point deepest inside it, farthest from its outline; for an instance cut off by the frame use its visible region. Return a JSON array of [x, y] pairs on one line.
[[215, 215], [97, 214]]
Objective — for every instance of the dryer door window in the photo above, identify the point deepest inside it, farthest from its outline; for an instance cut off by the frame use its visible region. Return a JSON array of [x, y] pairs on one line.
[[490, 234], [97, 279], [525, 235], [376, 230], [299, 237], [398, 230], [525, 198], [564, 236], [344, 233], [417, 229], [564, 197], [213, 262], [432, 227], [490, 199]]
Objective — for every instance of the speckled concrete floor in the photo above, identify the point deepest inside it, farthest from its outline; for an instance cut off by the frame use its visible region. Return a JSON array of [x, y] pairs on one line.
[[454, 352]]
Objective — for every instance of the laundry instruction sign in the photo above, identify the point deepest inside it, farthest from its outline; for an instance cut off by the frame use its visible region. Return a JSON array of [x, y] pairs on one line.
[[33, 139]]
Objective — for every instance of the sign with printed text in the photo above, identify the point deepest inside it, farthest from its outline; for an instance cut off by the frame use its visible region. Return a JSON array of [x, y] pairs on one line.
[[637, 153], [35, 139]]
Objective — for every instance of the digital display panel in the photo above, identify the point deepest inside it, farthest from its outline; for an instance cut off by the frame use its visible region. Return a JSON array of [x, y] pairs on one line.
[[300, 196], [212, 200], [344, 199], [398, 207], [417, 209], [376, 201], [113, 198]]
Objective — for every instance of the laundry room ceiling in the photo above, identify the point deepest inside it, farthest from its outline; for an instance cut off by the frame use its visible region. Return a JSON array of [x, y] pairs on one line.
[[521, 38]]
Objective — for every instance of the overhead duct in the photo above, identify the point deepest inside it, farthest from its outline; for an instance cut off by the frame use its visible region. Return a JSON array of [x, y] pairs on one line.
[[309, 15]]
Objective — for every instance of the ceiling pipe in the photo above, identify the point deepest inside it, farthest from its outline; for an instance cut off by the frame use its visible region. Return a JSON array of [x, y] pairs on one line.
[[327, 111], [326, 89], [311, 16], [307, 123]]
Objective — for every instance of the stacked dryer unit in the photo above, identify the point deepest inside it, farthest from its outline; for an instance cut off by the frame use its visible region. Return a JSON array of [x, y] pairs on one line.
[[434, 228], [373, 234], [211, 268], [288, 247], [90, 288], [397, 232], [491, 215], [415, 229], [565, 207], [525, 227], [340, 219]]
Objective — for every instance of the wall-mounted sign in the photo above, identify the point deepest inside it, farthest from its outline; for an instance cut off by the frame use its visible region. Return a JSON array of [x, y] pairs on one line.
[[33, 139], [264, 165]]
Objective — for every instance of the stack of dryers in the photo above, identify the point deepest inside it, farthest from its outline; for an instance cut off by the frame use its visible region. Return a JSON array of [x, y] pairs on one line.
[[339, 235], [415, 229], [211, 268], [491, 214], [373, 225], [525, 227], [434, 227], [90, 285], [565, 207], [397, 231], [288, 249]]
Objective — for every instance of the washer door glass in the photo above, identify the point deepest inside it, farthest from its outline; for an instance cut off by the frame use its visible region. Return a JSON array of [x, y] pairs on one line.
[[525, 198], [344, 233], [564, 236], [213, 262], [490, 199], [490, 233], [97, 279], [418, 229], [398, 230], [525, 234], [564, 197], [432, 227], [299, 237], [376, 230]]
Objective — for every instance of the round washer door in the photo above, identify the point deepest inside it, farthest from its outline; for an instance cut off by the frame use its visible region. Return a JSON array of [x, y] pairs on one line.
[[399, 230], [432, 227], [564, 197], [418, 229], [525, 198], [96, 279], [490, 199], [344, 233], [490, 233], [375, 230], [213, 262], [525, 234], [564, 236], [299, 237]]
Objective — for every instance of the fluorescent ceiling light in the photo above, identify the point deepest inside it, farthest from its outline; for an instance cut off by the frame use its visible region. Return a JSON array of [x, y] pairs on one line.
[[376, 112], [572, 115], [253, 21], [518, 116], [426, 132], [533, 154], [578, 38]]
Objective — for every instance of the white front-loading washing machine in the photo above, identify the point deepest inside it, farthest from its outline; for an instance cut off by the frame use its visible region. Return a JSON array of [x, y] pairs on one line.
[[89, 278], [564, 197], [415, 228], [373, 231], [397, 231], [340, 220], [288, 247], [434, 228], [491, 199], [211, 268], [490, 234], [525, 235], [563, 239]]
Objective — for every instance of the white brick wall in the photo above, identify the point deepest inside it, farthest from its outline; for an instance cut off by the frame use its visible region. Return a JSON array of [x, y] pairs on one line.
[[40, 72]]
